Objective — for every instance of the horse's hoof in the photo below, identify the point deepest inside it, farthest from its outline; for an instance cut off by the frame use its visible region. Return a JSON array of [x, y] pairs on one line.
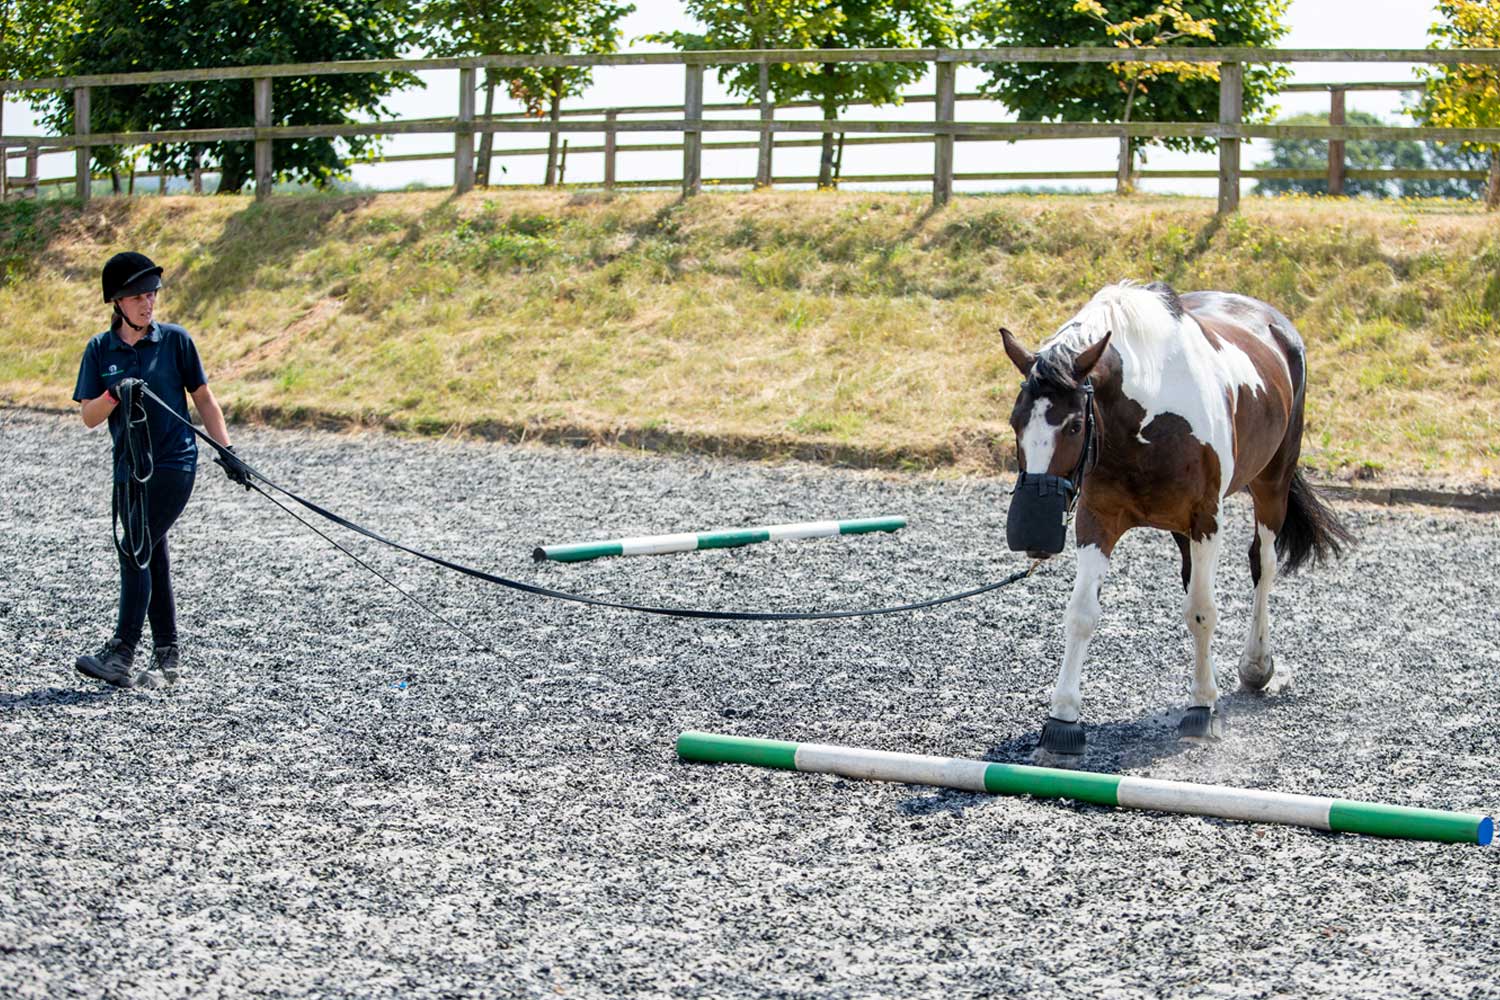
[[1063, 738], [1256, 674], [1200, 724]]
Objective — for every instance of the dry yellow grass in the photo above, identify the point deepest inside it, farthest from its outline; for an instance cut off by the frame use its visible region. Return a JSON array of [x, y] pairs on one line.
[[854, 326]]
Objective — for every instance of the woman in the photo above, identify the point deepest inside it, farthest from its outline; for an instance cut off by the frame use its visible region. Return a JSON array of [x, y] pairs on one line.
[[135, 352]]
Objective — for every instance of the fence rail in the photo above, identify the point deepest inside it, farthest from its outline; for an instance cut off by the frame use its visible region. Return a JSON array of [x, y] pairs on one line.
[[942, 131]]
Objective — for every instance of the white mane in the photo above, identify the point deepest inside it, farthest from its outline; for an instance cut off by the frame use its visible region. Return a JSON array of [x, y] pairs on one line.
[[1136, 315]]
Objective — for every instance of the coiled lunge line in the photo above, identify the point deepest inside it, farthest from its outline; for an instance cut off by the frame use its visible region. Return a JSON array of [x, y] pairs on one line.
[[560, 595], [129, 513]]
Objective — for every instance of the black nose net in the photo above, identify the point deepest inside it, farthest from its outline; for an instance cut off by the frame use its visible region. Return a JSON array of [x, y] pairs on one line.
[[1038, 518]]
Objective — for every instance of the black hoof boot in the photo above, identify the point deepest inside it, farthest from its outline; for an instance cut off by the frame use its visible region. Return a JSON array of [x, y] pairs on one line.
[[1059, 737], [112, 664], [1200, 723], [163, 670]]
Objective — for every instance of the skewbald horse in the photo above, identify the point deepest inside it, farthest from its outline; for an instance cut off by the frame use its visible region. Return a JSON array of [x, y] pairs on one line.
[[1147, 409]]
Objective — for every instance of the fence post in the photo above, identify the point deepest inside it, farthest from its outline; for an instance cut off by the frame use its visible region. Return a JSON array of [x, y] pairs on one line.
[[942, 157], [264, 167], [763, 174], [84, 182], [611, 118], [692, 139], [463, 136], [33, 182], [1231, 109], [1336, 146]]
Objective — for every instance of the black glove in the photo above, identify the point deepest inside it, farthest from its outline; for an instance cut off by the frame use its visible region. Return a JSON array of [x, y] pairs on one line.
[[124, 387], [234, 468]]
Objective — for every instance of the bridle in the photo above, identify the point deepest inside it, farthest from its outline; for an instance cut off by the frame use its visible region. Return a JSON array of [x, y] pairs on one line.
[[1071, 485], [1042, 504]]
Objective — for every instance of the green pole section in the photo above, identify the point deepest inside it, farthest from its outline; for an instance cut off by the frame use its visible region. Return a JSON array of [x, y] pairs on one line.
[[1052, 783], [731, 539], [578, 552], [866, 525], [737, 750], [1409, 822]]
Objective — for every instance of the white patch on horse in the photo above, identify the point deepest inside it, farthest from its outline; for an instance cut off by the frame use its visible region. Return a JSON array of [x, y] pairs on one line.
[[1168, 365], [1201, 612], [1039, 438], [1078, 629], [1256, 665], [1251, 315]]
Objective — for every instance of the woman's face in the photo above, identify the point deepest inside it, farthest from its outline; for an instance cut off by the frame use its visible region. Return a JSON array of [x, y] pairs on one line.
[[138, 308]]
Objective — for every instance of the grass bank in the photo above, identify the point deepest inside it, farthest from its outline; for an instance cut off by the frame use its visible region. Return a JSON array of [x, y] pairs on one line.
[[851, 326]]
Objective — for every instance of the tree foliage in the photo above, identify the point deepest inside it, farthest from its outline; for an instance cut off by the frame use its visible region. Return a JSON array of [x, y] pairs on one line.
[[483, 27], [124, 36], [31, 34], [1103, 92], [1365, 154], [1466, 96], [798, 24]]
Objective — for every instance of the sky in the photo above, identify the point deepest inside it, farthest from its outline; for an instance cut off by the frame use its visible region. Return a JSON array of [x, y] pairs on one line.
[[1313, 24]]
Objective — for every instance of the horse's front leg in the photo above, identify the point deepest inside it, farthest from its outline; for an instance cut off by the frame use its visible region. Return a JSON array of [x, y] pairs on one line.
[[1062, 733], [1202, 614]]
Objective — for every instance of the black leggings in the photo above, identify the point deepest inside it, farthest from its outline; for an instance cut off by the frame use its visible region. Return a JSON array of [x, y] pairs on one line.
[[148, 591]]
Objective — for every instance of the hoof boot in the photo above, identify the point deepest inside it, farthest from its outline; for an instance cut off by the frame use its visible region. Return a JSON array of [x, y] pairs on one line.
[[1063, 738], [1200, 723]]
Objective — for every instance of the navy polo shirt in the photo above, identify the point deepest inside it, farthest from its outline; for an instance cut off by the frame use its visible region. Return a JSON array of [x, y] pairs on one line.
[[167, 361]]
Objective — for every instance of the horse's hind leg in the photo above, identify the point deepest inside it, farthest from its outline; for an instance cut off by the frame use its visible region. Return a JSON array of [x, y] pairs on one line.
[[1257, 665], [1201, 613]]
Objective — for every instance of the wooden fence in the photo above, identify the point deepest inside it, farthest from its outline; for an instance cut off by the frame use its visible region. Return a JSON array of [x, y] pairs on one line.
[[941, 131]]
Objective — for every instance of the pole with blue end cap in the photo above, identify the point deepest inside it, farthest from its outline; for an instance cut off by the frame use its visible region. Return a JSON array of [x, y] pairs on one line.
[[1124, 791]]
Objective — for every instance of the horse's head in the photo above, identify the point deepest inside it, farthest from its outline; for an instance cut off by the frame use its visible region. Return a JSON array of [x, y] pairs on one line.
[[1053, 419]]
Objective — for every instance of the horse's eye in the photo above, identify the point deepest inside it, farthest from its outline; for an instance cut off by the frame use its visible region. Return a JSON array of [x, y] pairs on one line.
[[1074, 427]]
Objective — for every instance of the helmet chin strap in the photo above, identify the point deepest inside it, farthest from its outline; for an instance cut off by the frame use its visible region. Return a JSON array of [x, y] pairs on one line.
[[120, 314]]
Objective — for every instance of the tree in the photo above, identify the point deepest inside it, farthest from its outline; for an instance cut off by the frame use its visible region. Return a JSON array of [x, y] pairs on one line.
[[123, 36], [1167, 23], [757, 24], [31, 32], [482, 27], [1365, 154], [1111, 92], [850, 24], [1466, 96], [1361, 154]]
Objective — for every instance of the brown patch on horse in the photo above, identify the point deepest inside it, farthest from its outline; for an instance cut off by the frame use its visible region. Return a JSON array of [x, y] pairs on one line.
[[1260, 417], [1170, 482]]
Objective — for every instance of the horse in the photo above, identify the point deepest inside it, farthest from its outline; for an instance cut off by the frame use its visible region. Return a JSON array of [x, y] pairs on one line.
[[1147, 409]]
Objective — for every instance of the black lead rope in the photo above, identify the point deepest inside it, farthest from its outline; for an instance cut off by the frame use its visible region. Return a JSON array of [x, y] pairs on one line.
[[129, 512], [529, 588]]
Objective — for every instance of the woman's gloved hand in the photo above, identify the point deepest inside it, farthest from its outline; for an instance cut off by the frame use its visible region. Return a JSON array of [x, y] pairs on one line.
[[124, 388], [234, 468]]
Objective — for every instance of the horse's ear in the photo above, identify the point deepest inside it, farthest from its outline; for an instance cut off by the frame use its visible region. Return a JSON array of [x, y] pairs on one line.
[[1019, 356], [1089, 357]]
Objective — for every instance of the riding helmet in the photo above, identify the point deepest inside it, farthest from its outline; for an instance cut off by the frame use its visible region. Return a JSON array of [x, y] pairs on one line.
[[129, 273]]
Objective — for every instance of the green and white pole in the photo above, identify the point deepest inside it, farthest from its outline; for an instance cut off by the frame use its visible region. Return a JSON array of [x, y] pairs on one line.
[[1250, 805], [650, 545]]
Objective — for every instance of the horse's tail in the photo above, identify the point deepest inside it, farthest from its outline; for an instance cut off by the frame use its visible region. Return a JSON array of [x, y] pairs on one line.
[[1311, 529]]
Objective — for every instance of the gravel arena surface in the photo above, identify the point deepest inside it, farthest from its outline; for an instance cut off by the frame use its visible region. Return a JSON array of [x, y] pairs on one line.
[[344, 798]]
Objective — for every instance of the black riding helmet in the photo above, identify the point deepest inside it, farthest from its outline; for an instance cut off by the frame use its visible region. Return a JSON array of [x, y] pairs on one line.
[[129, 273]]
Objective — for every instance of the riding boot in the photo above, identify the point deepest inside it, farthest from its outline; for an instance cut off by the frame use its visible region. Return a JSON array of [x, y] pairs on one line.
[[163, 669], [112, 664]]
